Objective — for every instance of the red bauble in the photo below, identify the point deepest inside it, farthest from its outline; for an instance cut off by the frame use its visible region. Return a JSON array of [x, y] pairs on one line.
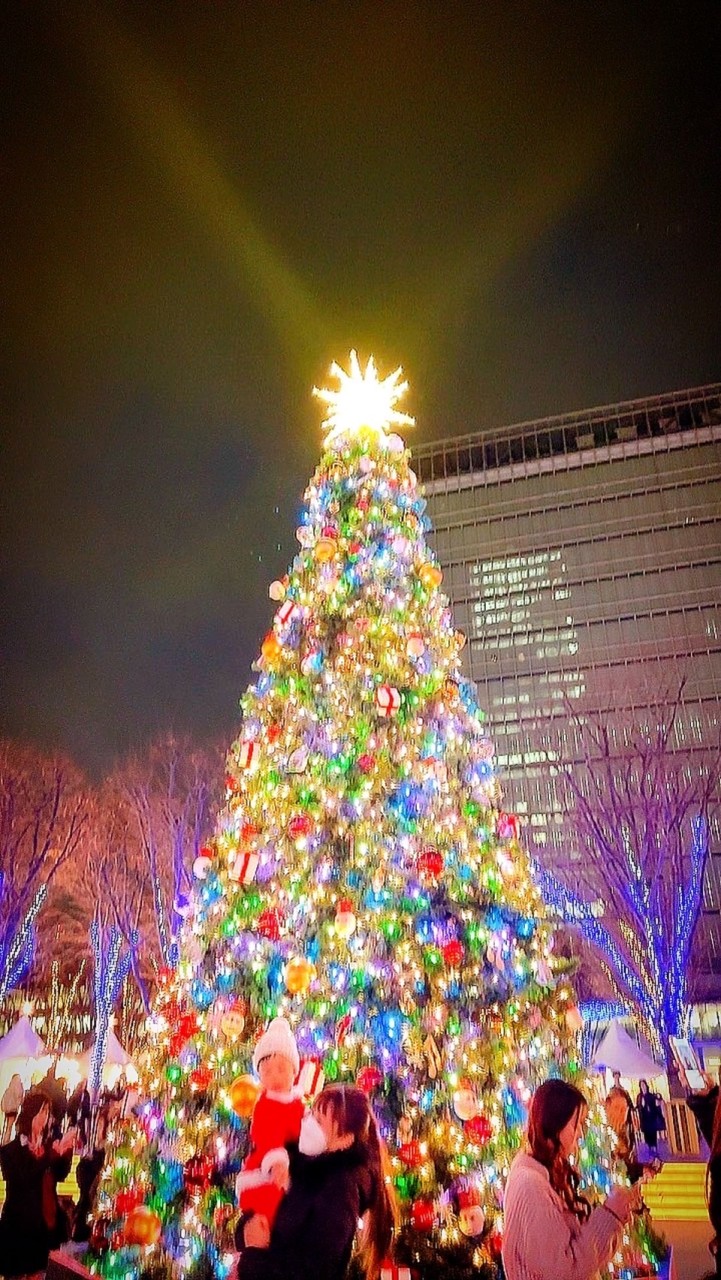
[[411, 1155], [269, 924], [423, 1214], [197, 1172], [479, 1130], [368, 1079], [201, 1079], [453, 953], [298, 826], [495, 1243], [127, 1200], [430, 864], [366, 763], [273, 732]]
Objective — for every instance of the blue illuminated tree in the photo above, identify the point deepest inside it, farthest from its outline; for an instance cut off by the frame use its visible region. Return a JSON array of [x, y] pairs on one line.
[[43, 819], [111, 960], [640, 807]]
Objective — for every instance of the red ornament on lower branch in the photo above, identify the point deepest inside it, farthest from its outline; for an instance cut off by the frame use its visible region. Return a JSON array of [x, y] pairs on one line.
[[423, 1214]]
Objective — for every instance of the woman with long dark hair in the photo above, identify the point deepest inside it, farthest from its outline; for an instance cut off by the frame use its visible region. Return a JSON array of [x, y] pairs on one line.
[[32, 1221], [551, 1232], [338, 1175]]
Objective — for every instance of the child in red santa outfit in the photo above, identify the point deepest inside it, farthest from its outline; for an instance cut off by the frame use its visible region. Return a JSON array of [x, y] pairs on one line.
[[275, 1122]]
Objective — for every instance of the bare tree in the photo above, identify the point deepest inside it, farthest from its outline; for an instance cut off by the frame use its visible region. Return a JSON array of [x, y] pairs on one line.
[[172, 794], [640, 803], [43, 819]]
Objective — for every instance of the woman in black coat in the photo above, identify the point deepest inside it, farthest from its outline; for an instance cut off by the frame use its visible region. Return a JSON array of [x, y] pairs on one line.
[[32, 1222], [650, 1115], [336, 1178]]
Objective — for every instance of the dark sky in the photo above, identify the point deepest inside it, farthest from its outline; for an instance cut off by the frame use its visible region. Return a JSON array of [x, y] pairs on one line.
[[206, 202]]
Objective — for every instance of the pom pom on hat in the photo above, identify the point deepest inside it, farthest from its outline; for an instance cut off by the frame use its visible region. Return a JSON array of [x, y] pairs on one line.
[[278, 1038]]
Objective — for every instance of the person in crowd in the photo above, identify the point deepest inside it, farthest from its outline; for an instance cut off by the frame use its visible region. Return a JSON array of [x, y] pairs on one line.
[[10, 1105], [651, 1119], [85, 1110], [88, 1175], [32, 1221], [551, 1232], [54, 1087], [704, 1104], [337, 1175], [619, 1113]]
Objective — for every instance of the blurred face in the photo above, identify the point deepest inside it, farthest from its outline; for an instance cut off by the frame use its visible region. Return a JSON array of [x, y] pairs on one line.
[[276, 1073], [39, 1124], [571, 1132]]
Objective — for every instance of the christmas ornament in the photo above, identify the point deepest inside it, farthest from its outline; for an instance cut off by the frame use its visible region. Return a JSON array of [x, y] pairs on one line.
[[232, 1022], [288, 613], [271, 648], [452, 953], [203, 864], [201, 1079], [465, 1104], [507, 826], [243, 868], [415, 644], [471, 1217], [298, 760], [299, 973], [411, 1155], [243, 1093], [430, 865], [197, 1173], [388, 700], [345, 921], [269, 924], [478, 1130], [391, 1271], [248, 755], [368, 1079], [311, 1078], [325, 549], [423, 1215], [431, 575], [574, 1019], [277, 589], [299, 826], [142, 1226]]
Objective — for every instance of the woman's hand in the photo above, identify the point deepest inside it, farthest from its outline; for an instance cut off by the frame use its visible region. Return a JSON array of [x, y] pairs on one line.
[[256, 1233], [623, 1201], [66, 1143]]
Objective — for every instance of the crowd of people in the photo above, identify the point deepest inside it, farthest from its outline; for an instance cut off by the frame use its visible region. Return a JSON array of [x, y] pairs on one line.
[[43, 1128], [337, 1174]]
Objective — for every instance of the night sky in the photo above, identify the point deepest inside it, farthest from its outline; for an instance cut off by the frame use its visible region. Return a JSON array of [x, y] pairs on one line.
[[204, 203]]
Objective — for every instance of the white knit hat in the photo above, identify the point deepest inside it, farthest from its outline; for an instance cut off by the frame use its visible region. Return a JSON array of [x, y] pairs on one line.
[[278, 1038]]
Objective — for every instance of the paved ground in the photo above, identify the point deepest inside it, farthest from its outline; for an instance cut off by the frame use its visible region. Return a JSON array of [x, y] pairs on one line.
[[690, 1248]]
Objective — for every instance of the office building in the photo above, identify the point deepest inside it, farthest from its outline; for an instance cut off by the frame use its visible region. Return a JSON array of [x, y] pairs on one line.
[[582, 555]]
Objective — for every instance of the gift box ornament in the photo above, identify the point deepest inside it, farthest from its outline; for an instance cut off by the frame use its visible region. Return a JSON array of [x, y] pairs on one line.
[[244, 868]]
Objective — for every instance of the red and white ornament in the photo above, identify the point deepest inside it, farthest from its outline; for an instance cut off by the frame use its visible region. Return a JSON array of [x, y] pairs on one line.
[[311, 1078], [345, 920], [415, 644], [471, 1217], [388, 700], [392, 1271], [248, 755], [203, 864], [287, 614], [507, 826], [244, 867]]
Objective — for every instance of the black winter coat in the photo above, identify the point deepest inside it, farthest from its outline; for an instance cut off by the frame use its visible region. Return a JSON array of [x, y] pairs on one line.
[[312, 1237], [25, 1239]]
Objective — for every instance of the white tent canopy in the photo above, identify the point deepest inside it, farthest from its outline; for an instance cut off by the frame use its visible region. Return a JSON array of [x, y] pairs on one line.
[[22, 1041], [618, 1052]]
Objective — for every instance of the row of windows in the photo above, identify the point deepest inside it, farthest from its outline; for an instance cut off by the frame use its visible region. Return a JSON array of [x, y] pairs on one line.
[[623, 424]]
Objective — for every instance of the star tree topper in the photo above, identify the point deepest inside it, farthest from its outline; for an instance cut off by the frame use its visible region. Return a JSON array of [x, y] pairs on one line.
[[363, 402]]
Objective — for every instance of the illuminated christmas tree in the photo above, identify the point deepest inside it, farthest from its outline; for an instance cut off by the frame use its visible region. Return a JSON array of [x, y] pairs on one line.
[[365, 883]]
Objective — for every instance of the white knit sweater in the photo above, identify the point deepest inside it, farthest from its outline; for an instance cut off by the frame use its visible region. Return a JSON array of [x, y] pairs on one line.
[[542, 1239]]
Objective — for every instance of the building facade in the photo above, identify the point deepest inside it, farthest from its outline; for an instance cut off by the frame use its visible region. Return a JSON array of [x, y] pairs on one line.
[[582, 556]]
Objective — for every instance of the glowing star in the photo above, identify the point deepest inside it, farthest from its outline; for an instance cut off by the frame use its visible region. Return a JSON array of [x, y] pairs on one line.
[[363, 402]]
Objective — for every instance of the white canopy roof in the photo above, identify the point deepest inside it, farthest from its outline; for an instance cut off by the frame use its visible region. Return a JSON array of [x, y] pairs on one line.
[[619, 1052], [22, 1041]]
